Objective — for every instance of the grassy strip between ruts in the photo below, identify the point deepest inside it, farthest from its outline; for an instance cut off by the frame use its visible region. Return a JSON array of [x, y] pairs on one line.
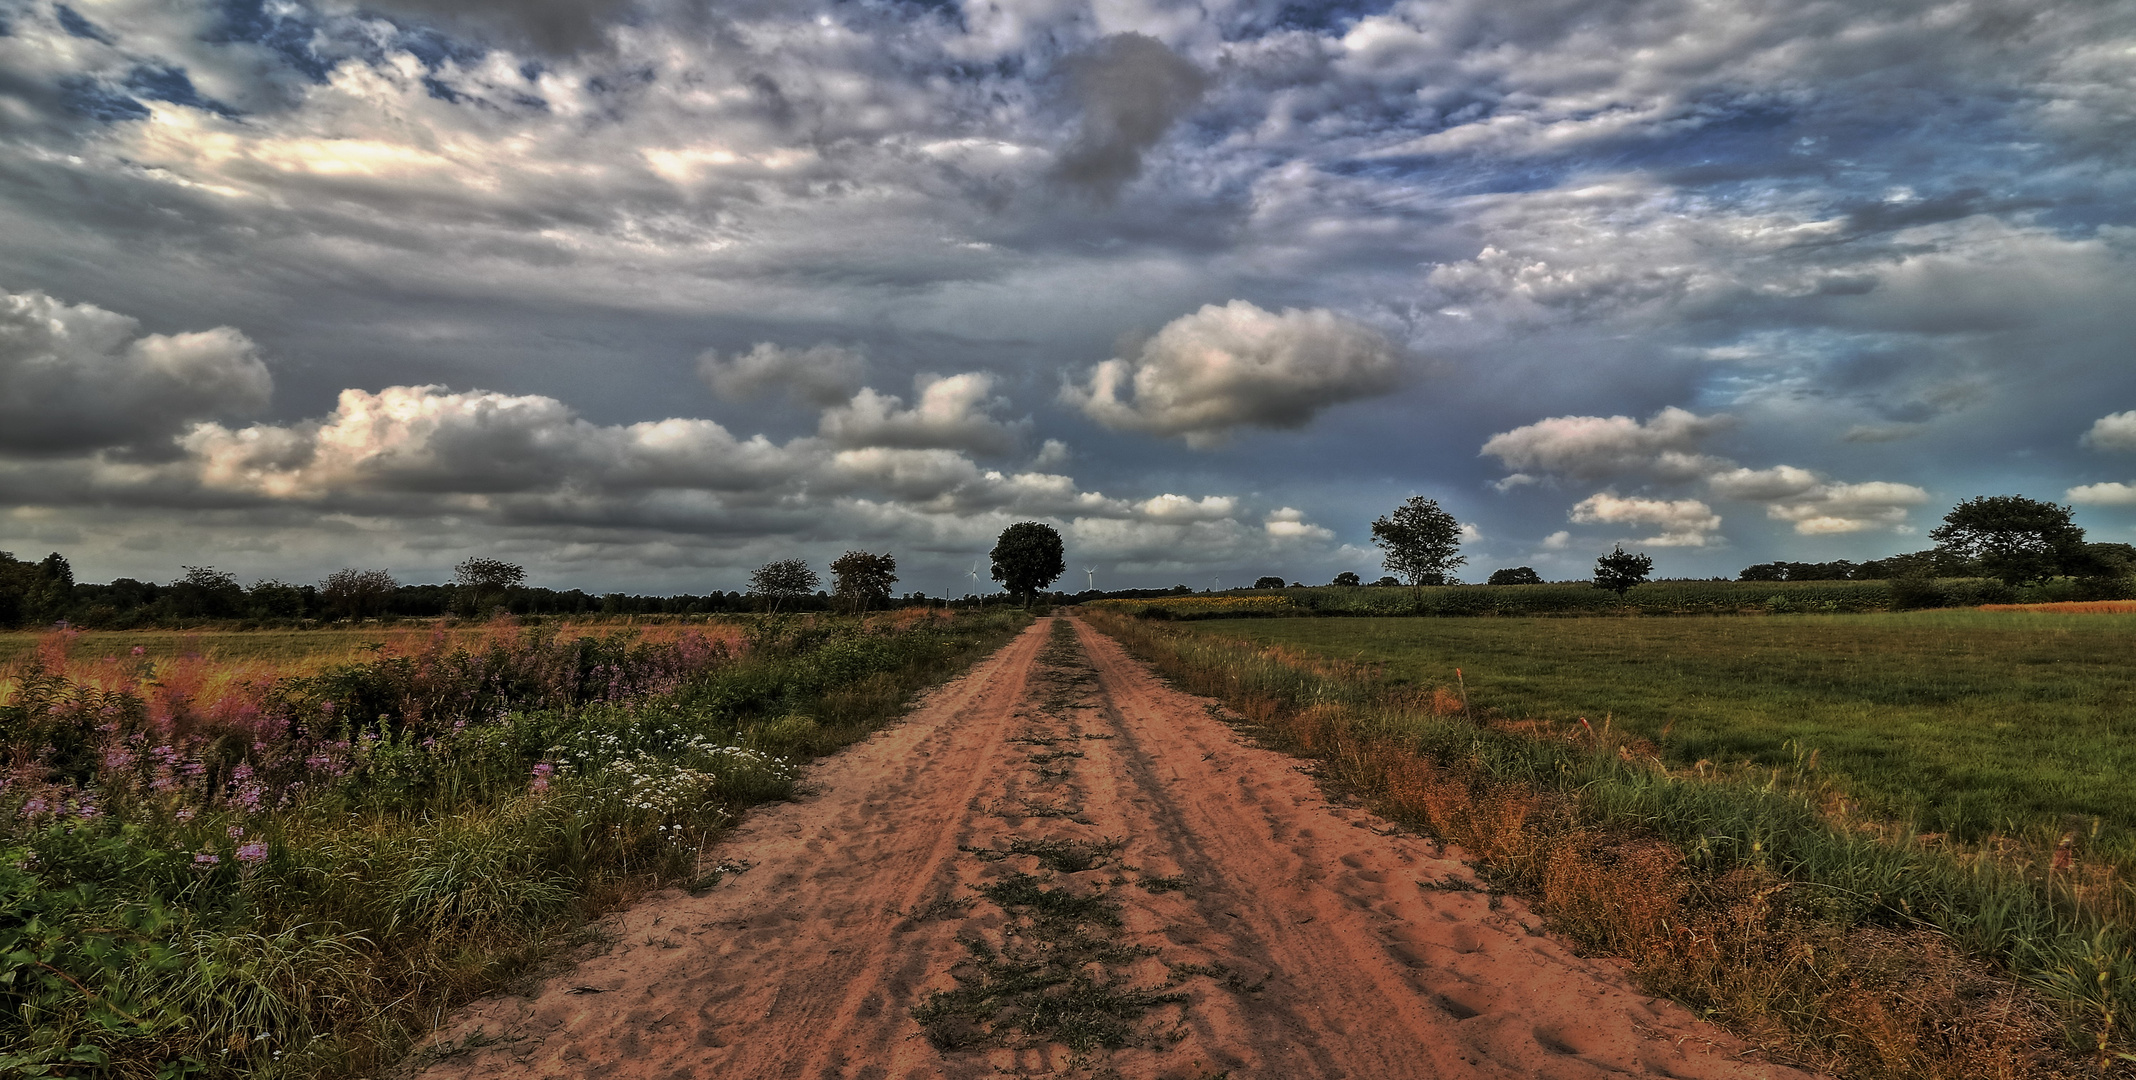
[[1734, 895], [300, 886]]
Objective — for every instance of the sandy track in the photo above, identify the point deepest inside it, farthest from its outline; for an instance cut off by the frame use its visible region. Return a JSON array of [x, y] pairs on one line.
[[1302, 939]]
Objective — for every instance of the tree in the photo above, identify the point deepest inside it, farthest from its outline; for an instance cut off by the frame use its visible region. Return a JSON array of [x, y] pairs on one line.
[[863, 578], [1422, 541], [1620, 570], [206, 591], [2014, 538], [1516, 575], [355, 594], [1268, 583], [783, 579], [1347, 578], [1387, 582], [1027, 558], [483, 582]]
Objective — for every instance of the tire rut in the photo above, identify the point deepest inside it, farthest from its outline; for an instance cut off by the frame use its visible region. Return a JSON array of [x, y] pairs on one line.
[[1066, 868]]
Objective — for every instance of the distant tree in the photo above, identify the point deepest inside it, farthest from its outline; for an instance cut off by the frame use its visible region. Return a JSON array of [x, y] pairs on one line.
[[273, 599], [1348, 579], [205, 592], [349, 593], [1268, 583], [2016, 539], [1620, 570], [863, 578], [1388, 582], [783, 580], [1516, 575], [1772, 571], [1027, 558], [483, 582], [1422, 542]]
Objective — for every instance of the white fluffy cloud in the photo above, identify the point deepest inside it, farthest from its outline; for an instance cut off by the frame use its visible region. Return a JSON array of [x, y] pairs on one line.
[[1663, 449], [1682, 522], [1236, 365], [529, 460], [2112, 493], [1594, 447], [1826, 508], [2116, 431], [951, 413], [76, 377]]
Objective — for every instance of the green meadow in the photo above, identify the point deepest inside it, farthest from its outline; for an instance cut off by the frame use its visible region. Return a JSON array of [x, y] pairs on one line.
[[1966, 722]]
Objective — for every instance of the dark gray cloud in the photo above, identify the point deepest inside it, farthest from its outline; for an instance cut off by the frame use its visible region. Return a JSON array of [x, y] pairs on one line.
[[1131, 89], [74, 377]]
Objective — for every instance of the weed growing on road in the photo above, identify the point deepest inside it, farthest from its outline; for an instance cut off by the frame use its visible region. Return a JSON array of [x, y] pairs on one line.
[[1057, 978], [1061, 856]]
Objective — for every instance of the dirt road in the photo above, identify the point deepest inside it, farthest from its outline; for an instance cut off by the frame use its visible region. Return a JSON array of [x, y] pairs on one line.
[[1059, 866]]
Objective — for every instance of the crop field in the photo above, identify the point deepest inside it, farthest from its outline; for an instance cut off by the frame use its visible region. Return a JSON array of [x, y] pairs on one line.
[[1969, 722]]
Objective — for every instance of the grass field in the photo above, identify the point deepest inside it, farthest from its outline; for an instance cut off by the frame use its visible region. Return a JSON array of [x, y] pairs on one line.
[[1969, 721]]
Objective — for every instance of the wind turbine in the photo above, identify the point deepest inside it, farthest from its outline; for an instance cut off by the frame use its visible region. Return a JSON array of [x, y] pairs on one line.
[[1091, 574], [974, 572]]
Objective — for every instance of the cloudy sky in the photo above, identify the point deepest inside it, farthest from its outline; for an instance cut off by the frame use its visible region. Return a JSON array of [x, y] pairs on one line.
[[642, 295]]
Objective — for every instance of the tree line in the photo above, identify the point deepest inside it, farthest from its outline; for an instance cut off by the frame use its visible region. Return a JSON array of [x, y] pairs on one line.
[[1026, 559]]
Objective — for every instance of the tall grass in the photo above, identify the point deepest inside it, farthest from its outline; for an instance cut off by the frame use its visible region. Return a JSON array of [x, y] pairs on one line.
[[1865, 953], [216, 876]]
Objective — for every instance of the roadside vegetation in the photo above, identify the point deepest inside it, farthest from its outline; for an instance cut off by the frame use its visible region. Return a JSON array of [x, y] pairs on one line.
[[294, 870], [1762, 893]]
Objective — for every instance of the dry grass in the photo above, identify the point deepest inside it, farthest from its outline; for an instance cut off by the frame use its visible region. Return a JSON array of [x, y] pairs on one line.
[[2071, 607], [1790, 967]]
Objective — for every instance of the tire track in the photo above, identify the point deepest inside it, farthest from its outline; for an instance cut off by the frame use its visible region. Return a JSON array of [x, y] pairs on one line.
[[1269, 934]]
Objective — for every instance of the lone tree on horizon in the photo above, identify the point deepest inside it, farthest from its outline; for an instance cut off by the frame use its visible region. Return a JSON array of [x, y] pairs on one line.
[[354, 594], [1422, 542], [783, 578], [1028, 557], [863, 578], [2016, 539], [483, 581], [1619, 570]]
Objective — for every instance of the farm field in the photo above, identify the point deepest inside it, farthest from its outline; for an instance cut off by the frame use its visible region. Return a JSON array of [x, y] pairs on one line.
[[1969, 721]]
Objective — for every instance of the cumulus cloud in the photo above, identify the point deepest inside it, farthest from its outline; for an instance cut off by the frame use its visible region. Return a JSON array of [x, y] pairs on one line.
[[1594, 447], [2112, 493], [1288, 523], [76, 377], [1826, 508], [951, 413], [1682, 522], [2116, 431], [1762, 485], [428, 440], [819, 374], [1170, 507], [1131, 89], [1235, 365]]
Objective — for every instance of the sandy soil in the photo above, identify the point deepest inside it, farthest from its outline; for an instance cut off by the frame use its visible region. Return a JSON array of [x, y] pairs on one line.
[[1300, 939]]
